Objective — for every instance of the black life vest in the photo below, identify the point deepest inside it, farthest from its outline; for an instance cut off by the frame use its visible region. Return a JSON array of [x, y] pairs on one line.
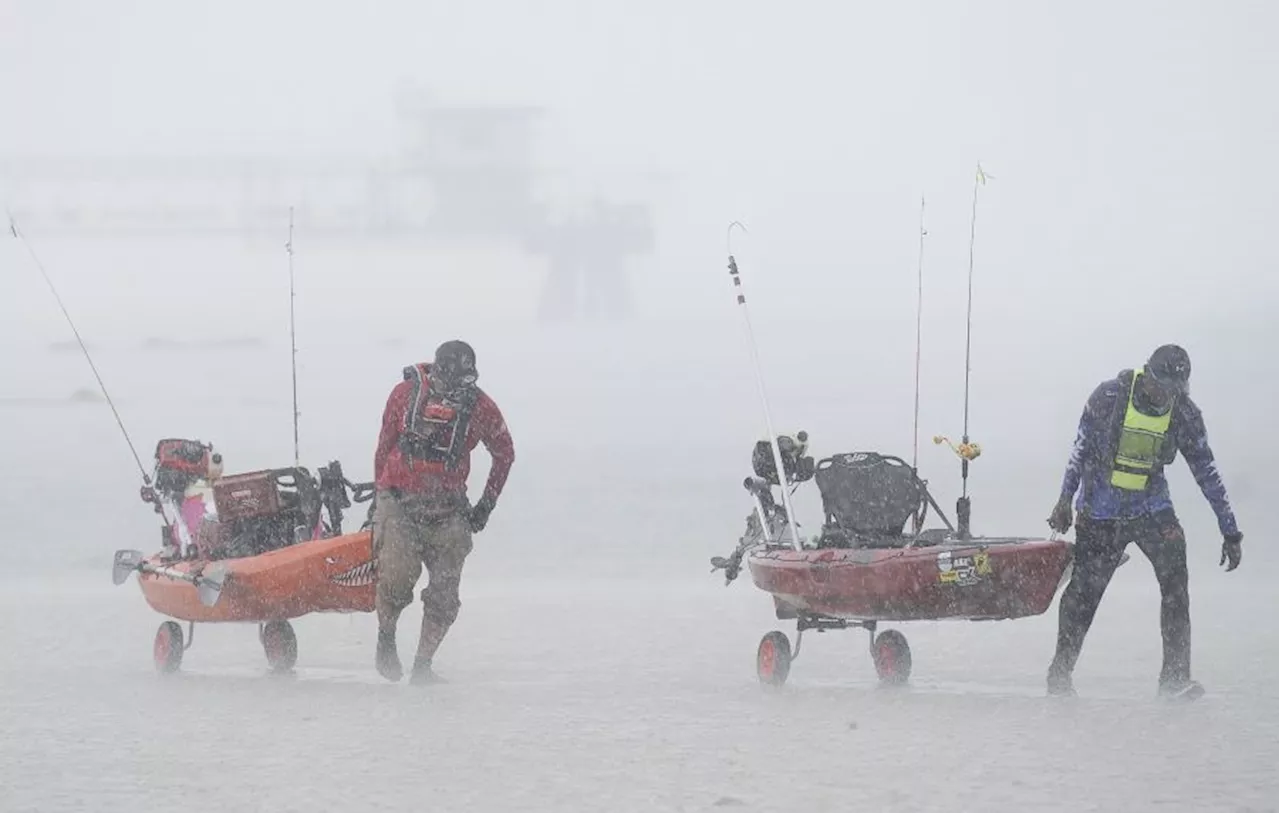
[[435, 426]]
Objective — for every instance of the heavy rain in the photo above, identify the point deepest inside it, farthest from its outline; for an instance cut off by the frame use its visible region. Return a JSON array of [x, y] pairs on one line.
[[958, 220]]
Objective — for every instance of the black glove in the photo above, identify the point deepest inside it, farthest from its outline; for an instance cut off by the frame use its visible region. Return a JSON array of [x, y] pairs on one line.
[[1231, 550], [479, 516], [1060, 519]]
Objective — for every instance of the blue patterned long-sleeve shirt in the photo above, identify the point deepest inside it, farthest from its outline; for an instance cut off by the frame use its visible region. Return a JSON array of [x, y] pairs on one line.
[[1093, 454]]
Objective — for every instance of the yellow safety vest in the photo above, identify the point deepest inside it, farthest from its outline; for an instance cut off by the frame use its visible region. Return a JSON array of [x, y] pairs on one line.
[[1141, 439]]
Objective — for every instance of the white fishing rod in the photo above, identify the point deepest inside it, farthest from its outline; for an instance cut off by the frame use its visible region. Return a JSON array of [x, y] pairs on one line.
[[918, 520], [915, 435], [968, 451], [293, 344], [764, 398], [978, 178], [13, 229]]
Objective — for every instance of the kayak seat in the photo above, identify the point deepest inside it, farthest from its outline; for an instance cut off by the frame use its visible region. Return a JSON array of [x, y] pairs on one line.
[[867, 499]]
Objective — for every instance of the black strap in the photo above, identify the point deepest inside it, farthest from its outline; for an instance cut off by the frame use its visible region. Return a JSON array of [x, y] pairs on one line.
[[417, 440]]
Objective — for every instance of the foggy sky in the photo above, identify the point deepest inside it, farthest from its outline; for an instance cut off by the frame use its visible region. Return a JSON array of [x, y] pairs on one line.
[[1133, 202]]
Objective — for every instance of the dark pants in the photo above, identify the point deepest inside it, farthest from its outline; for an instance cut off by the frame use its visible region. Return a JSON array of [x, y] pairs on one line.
[[1099, 546]]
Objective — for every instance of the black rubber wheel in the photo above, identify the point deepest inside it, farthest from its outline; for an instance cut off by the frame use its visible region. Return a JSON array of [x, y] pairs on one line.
[[167, 651], [773, 659], [892, 657], [280, 645]]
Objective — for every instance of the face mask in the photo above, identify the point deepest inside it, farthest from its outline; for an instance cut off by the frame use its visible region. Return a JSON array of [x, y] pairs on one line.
[[448, 376], [1162, 392]]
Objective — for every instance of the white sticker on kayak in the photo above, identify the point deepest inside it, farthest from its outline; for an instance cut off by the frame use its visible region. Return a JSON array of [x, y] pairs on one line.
[[963, 570]]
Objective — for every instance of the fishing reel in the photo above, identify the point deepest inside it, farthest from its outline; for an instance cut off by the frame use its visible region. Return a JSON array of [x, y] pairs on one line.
[[966, 451]]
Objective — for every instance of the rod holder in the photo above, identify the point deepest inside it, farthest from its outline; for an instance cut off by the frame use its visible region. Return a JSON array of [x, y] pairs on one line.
[[962, 518]]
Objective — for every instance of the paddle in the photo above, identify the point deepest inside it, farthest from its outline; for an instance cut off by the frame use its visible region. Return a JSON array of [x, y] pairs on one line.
[[209, 583]]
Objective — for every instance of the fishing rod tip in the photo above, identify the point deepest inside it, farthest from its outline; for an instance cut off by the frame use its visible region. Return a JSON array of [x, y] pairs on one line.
[[728, 235]]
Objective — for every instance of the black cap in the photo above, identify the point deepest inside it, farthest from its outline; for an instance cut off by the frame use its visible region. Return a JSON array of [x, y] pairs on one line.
[[1171, 366], [457, 352], [455, 364]]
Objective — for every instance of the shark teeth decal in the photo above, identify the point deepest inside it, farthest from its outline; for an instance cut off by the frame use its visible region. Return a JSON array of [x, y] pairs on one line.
[[358, 576]]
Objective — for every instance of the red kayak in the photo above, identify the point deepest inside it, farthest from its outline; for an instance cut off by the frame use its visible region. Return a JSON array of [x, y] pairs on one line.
[[866, 566], [981, 579]]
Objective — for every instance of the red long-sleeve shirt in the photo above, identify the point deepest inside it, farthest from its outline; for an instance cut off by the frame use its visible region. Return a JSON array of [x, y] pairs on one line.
[[393, 469]]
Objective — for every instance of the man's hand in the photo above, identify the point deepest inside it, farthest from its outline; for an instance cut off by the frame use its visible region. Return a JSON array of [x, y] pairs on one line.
[[1231, 550], [1060, 519], [479, 516]]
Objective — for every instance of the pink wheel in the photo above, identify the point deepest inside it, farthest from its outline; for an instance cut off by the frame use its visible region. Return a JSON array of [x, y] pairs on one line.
[[167, 651], [892, 657], [773, 659]]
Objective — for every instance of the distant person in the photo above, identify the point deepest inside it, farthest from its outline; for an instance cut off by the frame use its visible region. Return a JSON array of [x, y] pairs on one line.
[[1132, 427], [433, 419]]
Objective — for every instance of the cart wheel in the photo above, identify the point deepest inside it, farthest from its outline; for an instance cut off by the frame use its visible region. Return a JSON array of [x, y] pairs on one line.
[[167, 651], [280, 645], [773, 659], [892, 657]]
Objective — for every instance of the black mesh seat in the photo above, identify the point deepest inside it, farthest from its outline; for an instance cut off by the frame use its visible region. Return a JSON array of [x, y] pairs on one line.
[[867, 499]]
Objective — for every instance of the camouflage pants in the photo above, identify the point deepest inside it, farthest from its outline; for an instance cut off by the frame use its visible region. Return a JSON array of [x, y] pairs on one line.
[[410, 532]]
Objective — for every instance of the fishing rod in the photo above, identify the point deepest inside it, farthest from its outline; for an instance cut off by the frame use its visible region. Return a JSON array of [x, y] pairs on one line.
[[147, 491], [13, 228], [764, 398], [918, 519], [968, 451], [915, 437], [293, 344], [333, 484], [978, 178]]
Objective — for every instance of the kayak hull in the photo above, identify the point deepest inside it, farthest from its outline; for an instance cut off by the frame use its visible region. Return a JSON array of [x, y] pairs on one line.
[[981, 579], [335, 574]]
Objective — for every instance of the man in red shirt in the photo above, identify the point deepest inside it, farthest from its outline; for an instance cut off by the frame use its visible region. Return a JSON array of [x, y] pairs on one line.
[[432, 421]]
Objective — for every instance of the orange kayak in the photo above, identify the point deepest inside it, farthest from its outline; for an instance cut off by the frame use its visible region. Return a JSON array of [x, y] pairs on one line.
[[260, 547], [335, 574]]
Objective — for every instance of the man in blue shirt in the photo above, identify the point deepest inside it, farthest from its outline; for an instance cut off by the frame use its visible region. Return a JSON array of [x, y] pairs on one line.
[[1132, 427]]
